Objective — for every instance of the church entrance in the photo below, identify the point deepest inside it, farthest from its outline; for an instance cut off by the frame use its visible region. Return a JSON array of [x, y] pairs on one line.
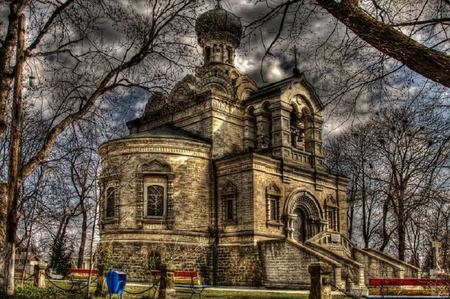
[[299, 233], [304, 216]]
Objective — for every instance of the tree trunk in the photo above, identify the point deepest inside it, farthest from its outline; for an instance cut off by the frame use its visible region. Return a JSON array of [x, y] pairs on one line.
[[401, 231], [6, 70], [385, 234], [14, 161], [84, 228], [3, 215], [429, 63]]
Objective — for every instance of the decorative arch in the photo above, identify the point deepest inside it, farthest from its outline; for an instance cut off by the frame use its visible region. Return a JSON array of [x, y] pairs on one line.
[[303, 216], [305, 124], [216, 79], [245, 86], [155, 165], [156, 103]]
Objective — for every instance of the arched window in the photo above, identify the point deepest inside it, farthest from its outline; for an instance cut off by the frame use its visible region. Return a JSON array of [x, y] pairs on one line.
[[331, 209], [154, 260], [229, 204], [110, 202], [273, 195], [154, 183], [155, 200], [297, 128]]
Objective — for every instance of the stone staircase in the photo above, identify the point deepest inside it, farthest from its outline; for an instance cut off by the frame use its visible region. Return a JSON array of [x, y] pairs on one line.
[[358, 265]]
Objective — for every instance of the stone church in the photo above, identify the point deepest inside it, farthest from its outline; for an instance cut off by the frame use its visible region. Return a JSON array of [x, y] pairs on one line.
[[226, 178]]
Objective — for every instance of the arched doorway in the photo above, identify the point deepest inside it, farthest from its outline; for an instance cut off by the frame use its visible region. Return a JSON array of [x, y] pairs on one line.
[[299, 233], [303, 216]]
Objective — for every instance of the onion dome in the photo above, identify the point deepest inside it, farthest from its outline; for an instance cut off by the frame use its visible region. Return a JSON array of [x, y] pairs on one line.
[[220, 25]]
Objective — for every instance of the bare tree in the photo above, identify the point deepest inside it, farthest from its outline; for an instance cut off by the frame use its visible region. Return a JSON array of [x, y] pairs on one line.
[[412, 32], [77, 52], [398, 168]]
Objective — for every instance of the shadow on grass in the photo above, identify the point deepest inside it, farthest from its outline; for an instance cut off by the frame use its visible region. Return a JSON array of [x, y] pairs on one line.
[[60, 292]]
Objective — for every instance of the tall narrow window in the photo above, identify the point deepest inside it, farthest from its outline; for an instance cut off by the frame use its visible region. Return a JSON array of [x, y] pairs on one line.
[[208, 55], [332, 218], [331, 208], [273, 201], [110, 202], [230, 209], [229, 200], [273, 195], [155, 200]]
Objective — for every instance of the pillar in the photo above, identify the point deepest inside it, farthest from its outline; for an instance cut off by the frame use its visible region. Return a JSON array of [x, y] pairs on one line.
[[39, 275], [320, 281], [166, 283]]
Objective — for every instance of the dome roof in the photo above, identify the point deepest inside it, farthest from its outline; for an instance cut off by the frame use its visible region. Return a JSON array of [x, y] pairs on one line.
[[218, 24]]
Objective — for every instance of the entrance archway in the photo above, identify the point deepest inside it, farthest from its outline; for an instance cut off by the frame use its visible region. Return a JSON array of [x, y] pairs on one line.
[[303, 216]]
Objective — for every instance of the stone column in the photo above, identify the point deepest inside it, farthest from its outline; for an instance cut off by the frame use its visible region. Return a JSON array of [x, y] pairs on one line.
[[281, 130], [166, 283], [320, 281], [263, 134], [435, 270], [39, 275]]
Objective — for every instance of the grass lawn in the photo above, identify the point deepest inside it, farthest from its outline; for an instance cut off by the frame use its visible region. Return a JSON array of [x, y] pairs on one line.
[[244, 295], [59, 291]]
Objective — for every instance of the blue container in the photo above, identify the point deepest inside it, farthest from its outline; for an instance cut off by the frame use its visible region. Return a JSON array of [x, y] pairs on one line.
[[116, 282]]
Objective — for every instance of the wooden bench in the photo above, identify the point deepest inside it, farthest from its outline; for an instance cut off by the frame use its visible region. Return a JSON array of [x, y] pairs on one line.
[[79, 277], [402, 288], [184, 280]]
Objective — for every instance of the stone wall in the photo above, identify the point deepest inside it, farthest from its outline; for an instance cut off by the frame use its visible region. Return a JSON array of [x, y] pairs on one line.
[[238, 265], [378, 264], [285, 265], [132, 258]]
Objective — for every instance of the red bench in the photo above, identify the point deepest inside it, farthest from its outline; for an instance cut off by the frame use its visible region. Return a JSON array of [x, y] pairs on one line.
[[400, 288], [78, 277], [189, 280]]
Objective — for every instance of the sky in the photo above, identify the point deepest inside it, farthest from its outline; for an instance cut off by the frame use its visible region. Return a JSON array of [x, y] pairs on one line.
[[335, 72]]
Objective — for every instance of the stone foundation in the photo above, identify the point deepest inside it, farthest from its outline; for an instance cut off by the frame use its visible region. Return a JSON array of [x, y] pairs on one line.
[[133, 258]]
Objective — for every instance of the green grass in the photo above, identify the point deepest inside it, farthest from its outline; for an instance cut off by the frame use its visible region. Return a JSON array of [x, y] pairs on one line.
[[245, 295], [59, 292]]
